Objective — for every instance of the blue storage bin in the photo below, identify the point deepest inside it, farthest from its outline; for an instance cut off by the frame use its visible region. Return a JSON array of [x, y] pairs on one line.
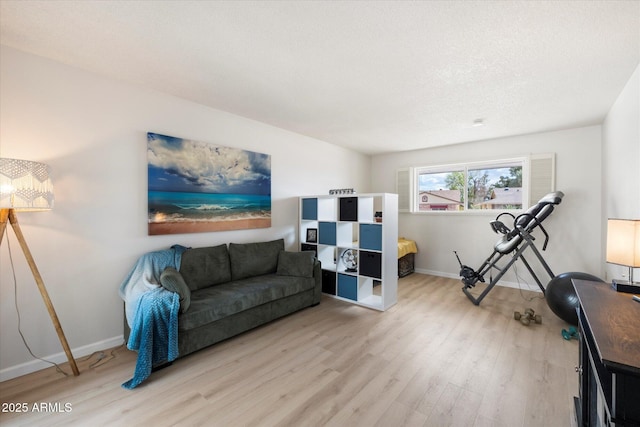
[[371, 237], [327, 233], [348, 286], [310, 209]]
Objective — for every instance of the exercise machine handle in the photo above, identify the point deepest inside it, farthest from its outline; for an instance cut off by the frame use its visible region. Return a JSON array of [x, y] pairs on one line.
[[538, 223]]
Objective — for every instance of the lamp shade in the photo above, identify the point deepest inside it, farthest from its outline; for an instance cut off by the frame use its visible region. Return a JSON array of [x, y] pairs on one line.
[[25, 185], [623, 242]]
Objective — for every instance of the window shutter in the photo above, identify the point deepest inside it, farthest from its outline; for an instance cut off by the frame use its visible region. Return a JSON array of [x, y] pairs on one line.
[[541, 176], [403, 188]]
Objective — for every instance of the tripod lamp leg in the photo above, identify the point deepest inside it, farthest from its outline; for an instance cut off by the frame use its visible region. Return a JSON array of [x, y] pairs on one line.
[[11, 215]]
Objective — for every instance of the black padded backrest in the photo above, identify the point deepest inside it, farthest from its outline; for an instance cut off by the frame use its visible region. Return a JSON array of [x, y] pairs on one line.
[[539, 212], [529, 221]]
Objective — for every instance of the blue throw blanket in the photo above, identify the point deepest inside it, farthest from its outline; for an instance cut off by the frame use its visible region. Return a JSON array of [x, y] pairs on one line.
[[154, 333], [151, 311], [145, 276]]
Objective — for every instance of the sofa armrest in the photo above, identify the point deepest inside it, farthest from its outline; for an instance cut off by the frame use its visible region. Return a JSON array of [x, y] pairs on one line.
[[317, 276], [126, 330], [172, 280]]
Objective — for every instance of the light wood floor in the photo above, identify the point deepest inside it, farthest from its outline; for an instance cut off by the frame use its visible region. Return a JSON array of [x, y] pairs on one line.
[[434, 359]]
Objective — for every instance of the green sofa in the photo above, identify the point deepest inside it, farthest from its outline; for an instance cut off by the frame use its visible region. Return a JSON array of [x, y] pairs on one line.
[[225, 291]]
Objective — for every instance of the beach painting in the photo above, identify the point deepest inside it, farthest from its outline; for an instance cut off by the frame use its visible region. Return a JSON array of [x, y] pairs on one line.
[[199, 187]]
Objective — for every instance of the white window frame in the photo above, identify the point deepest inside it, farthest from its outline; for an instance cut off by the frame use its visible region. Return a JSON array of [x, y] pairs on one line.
[[465, 167]]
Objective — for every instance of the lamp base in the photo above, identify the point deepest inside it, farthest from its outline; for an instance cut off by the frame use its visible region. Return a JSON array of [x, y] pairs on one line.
[[626, 287]]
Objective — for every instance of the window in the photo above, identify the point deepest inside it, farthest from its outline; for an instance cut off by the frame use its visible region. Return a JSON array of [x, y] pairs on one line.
[[496, 185], [480, 186], [440, 190]]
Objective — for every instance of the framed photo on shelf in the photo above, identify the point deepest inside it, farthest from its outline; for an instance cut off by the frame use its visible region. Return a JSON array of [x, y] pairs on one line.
[[312, 235]]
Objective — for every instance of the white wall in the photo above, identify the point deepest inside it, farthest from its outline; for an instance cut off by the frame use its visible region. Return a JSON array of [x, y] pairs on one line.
[[92, 132], [574, 227], [621, 163]]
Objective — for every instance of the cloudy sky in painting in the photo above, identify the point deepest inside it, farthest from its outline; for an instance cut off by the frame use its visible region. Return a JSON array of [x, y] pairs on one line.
[[183, 165]]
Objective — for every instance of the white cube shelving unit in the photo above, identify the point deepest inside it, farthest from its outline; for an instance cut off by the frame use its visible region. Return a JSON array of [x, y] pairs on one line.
[[335, 224]]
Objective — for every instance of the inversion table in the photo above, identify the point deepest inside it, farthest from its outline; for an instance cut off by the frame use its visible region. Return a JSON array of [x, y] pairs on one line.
[[514, 242]]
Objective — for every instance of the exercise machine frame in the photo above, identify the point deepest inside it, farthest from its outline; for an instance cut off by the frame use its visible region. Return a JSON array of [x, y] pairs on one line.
[[519, 240]]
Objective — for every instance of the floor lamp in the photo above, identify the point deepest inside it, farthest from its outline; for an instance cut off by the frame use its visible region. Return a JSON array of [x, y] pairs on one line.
[[26, 186]]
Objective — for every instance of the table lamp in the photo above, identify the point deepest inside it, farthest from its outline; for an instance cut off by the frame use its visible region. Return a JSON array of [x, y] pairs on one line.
[[26, 186], [623, 248]]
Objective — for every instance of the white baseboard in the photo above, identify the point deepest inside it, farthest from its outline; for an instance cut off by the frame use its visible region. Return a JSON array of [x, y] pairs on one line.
[[524, 286], [36, 365]]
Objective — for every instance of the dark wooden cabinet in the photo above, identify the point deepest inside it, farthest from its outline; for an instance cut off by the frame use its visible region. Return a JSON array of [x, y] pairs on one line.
[[609, 357]]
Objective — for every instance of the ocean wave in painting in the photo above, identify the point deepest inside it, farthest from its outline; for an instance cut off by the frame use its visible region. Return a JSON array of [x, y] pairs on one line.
[[198, 207], [204, 207]]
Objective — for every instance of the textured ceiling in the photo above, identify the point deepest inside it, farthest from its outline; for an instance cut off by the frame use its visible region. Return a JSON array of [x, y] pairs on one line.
[[371, 76]]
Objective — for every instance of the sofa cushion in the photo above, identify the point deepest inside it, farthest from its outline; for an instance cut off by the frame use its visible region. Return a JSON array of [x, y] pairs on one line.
[[172, 280], [217, 302], [204, 267], [298, 264], [254, 259]]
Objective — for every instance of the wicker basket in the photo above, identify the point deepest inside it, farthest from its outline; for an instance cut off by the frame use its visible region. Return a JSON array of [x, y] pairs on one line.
[[405, 265]]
